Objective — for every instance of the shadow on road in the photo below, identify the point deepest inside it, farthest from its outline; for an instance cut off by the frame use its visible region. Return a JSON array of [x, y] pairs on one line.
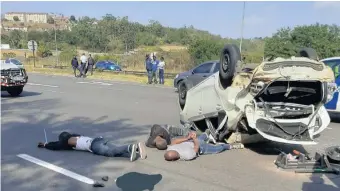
[[335, 117], [23, 126], [318, 183], [4, 94], [272, 148], [134, 181]]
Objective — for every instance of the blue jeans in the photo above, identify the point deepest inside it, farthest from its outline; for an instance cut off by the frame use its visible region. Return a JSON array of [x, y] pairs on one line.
[[161, 76], [206, 148], [101, 146]]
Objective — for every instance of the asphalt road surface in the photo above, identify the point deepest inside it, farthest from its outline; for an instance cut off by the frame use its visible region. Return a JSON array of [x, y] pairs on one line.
[[124, 112]]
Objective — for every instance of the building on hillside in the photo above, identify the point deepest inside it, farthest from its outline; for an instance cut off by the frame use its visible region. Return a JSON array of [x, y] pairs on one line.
[[61, 19], [27, 17]]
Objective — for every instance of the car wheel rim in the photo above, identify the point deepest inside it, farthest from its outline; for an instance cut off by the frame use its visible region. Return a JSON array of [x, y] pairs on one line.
[[183, 92], [226, 62]]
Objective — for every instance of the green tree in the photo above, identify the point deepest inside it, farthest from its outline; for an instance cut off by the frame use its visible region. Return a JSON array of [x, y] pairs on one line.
[[325, 39], [72, 18], [204, 50], [16, 18], [50, 20]]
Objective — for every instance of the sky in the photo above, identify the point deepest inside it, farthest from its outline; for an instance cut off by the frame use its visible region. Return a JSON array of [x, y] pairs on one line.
[[222, 18]]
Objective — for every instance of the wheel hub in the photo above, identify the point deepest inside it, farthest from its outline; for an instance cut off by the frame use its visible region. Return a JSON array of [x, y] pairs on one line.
[[225, 64], [183, 93]]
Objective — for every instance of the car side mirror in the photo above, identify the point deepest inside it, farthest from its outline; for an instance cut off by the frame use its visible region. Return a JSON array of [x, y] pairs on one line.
[[192, 72]]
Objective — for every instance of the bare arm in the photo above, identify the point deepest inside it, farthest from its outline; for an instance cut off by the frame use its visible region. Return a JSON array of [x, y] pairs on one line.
[[179, 140]]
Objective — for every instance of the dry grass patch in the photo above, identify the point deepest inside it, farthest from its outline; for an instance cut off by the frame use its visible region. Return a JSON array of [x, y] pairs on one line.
[[96, 75]]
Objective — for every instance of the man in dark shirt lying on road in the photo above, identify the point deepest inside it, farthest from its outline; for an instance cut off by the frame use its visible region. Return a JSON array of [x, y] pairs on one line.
[[160, 135], [190, 146], [98, 146]]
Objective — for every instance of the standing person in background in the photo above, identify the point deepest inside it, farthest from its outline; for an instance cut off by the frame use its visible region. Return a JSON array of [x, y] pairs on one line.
[[90, 63], [83, 60], [148, 67], [75, 65], [161, 70], [155, 69]]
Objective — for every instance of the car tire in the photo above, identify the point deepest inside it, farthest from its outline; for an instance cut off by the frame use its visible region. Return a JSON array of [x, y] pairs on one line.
[[230, 55], [15, 91], [183, 88], [308, 53]]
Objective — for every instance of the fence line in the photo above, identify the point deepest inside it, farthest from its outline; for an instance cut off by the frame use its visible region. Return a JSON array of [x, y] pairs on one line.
[[124, 72]]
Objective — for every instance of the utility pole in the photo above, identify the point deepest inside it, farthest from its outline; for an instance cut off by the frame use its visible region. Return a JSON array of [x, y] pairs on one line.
[[55, 40], [244, 6]]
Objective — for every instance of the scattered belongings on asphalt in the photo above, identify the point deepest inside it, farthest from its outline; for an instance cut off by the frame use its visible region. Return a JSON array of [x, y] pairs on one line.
[[304, 163]]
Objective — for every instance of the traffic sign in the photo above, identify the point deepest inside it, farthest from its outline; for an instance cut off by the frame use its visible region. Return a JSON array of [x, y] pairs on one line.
[[32, 45]]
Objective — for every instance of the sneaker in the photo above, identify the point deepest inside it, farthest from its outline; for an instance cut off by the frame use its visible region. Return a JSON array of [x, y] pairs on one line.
[[236, 146], [142, 150], [133, 155]]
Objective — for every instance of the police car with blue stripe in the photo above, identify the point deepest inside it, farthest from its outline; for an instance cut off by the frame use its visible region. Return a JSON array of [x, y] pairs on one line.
[[334, 104]]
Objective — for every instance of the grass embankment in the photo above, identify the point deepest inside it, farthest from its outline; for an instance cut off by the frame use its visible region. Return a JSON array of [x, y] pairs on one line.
[[96, 75]]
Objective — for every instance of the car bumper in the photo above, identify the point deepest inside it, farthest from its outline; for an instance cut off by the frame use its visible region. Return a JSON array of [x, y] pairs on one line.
[[269, 129]]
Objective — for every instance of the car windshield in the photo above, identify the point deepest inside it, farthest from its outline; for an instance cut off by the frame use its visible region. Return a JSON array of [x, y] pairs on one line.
[[16, 62]]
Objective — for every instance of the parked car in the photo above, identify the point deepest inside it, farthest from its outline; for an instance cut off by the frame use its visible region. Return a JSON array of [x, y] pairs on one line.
[[13, 78], [334, 104], [199, 73], [107, 65], [280, 100], [15, 62]]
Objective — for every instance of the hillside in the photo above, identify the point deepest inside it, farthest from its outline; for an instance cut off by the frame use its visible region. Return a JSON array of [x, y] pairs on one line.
[[113, 36], [127, 42]]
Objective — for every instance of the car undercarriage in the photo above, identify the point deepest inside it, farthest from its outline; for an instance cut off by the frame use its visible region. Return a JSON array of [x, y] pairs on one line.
[[280, 100]]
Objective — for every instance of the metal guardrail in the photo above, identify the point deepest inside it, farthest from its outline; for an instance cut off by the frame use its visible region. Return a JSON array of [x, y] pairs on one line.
[[124, 72]]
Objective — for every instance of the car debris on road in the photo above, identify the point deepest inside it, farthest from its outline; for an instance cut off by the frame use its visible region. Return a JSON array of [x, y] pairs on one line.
[[303, 163]]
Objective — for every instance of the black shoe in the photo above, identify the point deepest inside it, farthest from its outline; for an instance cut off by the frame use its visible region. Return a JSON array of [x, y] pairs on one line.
[[41, 145]]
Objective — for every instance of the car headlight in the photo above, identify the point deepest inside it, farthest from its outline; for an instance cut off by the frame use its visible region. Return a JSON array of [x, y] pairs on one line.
[[256, 87], [176, 76], [331, 89]]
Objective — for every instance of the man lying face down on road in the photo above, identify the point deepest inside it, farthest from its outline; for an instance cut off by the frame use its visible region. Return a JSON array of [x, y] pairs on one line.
[[191, 146], [98, 146], [160, 136]]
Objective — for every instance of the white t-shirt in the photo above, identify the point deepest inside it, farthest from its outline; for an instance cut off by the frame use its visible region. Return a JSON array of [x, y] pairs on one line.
[[84, 143], [83, 59], [185, 150], [161, 65]]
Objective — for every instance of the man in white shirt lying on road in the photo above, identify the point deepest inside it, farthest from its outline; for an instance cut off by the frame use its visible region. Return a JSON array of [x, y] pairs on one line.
[[98, 146]]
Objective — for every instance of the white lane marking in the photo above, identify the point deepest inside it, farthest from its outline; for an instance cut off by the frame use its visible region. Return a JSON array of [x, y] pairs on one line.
[[33, 84], [57, 169], [101, 83]]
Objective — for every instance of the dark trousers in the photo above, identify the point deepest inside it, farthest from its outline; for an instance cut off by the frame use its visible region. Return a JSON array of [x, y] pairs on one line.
[[82, 69], [149, 76], [161, 76], [101, 146], [154, 76], [89, 68], [75, 68]]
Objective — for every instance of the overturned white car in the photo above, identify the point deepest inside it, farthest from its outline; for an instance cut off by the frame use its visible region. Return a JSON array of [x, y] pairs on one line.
[[280, 100]]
